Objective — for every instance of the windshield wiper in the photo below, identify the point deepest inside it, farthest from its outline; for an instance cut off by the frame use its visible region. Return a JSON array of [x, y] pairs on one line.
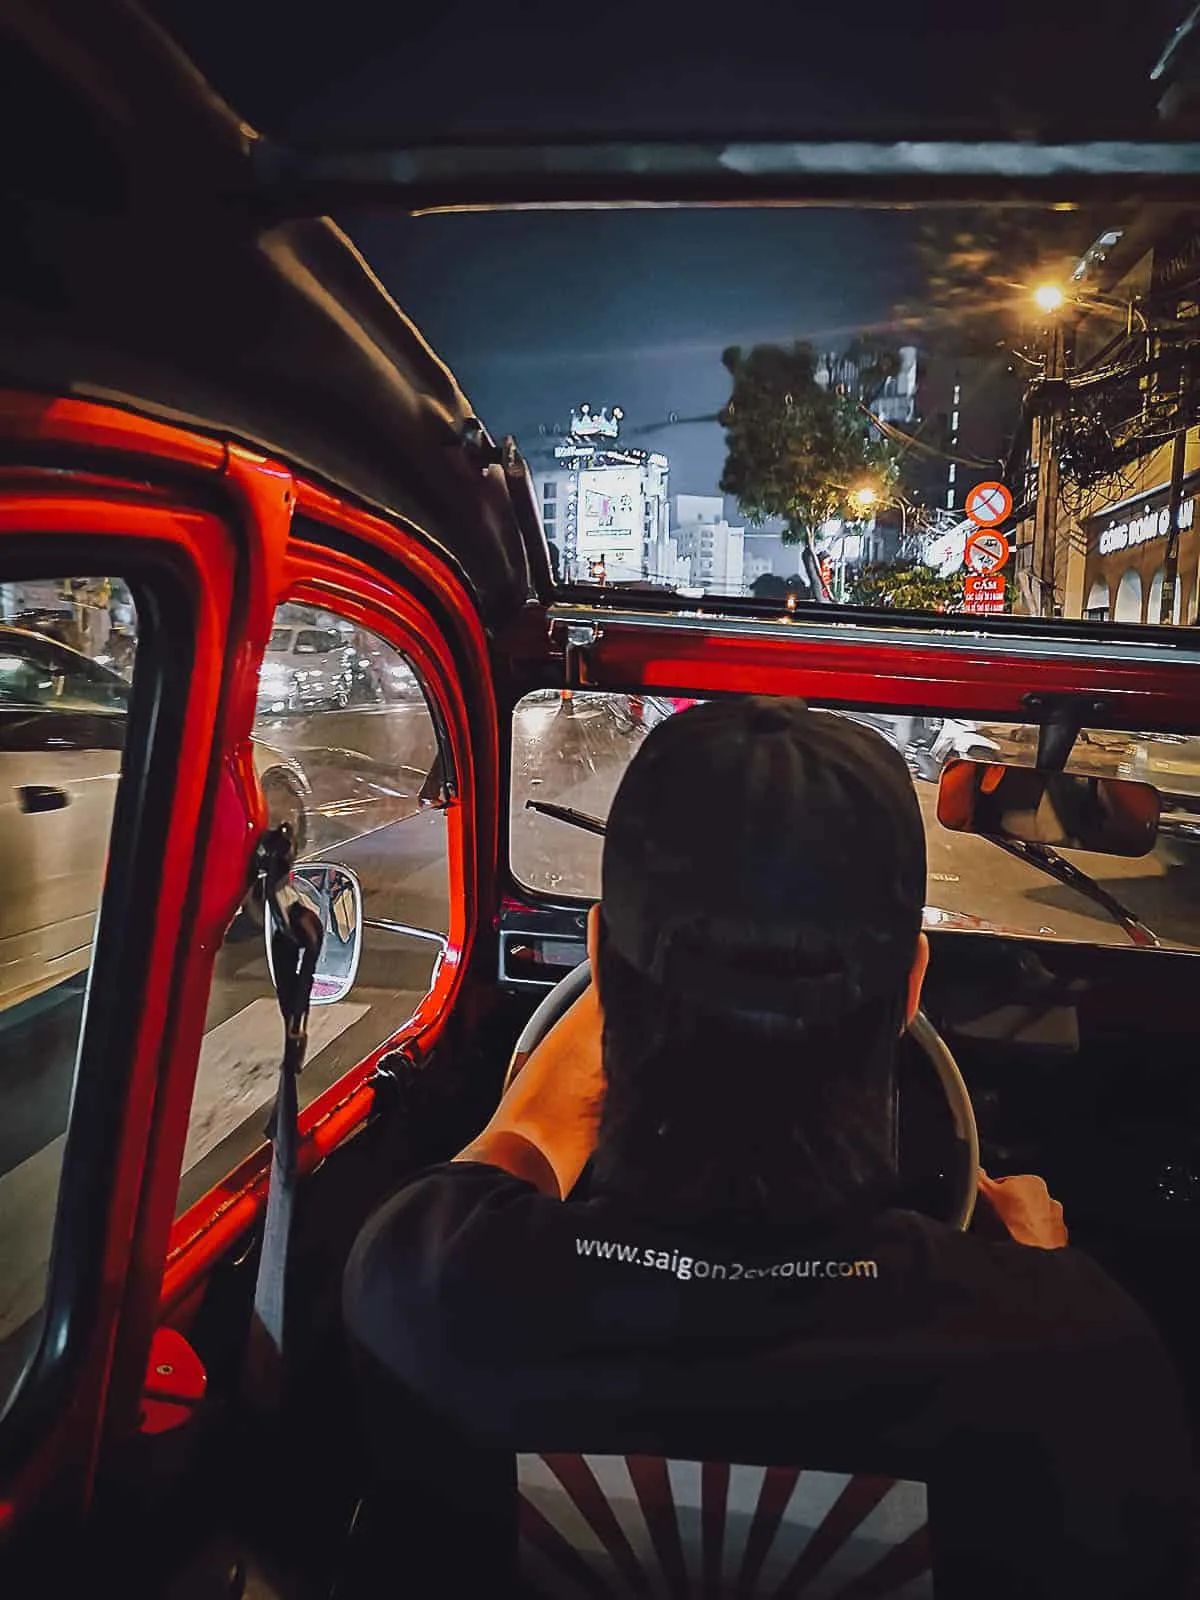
[[1040, 856], [577, 819], [1050, 862]]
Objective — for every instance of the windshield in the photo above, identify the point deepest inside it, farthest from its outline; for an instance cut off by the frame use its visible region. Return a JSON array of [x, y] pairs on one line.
[[573, 752], [988, 411]]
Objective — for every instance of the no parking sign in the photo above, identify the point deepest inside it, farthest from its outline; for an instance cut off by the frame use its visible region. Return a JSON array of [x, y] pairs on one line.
[[988, 504]]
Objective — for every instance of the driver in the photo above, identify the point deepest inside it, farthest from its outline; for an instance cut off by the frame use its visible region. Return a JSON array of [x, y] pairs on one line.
[[741, 1282]]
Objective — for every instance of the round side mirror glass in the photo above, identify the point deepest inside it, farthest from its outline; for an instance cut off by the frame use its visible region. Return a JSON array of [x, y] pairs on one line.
[[335, 895]]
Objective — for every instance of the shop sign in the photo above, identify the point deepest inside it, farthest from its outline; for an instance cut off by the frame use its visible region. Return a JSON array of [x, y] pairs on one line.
[[1130, 531]]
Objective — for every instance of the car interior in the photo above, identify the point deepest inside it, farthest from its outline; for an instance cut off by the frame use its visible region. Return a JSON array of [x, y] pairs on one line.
[[314, 652]]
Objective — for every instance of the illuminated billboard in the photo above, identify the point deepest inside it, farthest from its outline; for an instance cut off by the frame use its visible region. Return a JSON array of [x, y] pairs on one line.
[[611, 514]]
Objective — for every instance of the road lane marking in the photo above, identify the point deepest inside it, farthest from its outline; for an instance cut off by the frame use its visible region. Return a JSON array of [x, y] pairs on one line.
[[239, 1067], [28, 1201]]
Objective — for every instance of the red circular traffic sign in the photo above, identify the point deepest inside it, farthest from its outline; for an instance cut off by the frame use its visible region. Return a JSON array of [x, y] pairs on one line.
[[986, 551], [988, 504]]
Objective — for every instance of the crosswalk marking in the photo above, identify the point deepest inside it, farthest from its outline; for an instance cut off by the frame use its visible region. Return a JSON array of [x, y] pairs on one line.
[[239, 1062]]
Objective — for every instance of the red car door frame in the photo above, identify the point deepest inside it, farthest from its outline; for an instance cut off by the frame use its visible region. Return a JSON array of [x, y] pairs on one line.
[[219, 518]]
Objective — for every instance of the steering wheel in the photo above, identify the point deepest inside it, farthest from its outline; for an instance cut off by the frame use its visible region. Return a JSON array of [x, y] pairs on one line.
[[920, 1030]]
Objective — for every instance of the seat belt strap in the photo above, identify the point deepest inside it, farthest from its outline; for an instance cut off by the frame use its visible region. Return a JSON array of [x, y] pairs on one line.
[[296, 937]]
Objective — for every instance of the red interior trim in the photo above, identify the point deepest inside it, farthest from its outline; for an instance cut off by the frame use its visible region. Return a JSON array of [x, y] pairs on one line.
[[199, 543], [977, 678], [329, 579]]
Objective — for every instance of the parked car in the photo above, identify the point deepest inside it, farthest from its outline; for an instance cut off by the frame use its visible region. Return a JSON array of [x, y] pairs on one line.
[[62, 730], [307, 668], [55, 622], [381, 675]]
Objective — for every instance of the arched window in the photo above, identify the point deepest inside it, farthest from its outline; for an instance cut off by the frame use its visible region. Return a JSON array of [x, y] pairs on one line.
[[1155, 605], [1129, 598], [1096, 609]]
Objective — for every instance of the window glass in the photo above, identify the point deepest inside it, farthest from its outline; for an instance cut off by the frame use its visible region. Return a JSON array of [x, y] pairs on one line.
[[344, 743], [63, 700], [572, 751]]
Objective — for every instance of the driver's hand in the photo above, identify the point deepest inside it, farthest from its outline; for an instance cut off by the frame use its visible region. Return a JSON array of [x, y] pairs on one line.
[[553, 1106], [1027, 1209]]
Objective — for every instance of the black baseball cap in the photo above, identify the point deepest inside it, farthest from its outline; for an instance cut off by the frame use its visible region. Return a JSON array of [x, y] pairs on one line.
[[765, 858]]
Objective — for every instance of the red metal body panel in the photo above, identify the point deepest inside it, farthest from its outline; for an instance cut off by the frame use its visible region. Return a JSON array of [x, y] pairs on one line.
[[201, 542], [95, 427], [327, 579], [243, 568], [954, 673]]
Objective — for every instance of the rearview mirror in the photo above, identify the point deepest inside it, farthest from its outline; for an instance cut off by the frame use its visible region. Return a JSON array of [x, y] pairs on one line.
[[1061, 809], [335, 894]]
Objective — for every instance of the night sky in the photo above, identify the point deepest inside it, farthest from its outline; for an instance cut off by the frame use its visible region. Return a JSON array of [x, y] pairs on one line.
[[536, 313]]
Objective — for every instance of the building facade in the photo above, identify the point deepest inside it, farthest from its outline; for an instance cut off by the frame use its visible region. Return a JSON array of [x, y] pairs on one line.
[[605, 505], [1118, 549], [1126, 312], [713, 548]]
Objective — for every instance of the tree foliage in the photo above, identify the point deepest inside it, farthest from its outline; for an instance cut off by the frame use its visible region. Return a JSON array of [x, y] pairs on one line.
[[905, 586], [794, 450]]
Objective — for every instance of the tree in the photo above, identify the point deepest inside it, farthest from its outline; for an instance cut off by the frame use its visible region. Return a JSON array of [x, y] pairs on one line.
[[905, 586], [794, 450]]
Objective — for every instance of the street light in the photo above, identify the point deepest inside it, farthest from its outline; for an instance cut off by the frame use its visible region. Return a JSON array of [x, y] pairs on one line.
[[868, 498], [1049, 297]]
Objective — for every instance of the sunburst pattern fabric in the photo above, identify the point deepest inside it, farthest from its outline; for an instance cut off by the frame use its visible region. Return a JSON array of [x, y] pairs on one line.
[[594, 1527]]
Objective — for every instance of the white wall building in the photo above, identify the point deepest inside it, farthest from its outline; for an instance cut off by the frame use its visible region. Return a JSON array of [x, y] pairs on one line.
[[755, 567], [896, 401], [714, 550], [603, 502]]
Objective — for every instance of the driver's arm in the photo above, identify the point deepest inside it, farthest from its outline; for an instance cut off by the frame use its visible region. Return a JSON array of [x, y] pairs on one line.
[[1029, 1212], [544, 1129]]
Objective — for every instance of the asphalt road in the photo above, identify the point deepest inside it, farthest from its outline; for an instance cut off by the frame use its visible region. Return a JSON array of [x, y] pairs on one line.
[[366, 768]]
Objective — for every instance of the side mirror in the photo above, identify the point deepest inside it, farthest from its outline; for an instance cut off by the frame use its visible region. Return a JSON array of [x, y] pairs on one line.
[[335, 895], [1063, 809]]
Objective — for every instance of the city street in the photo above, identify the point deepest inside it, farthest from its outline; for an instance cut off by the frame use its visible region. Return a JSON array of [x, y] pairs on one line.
[[366, 768]]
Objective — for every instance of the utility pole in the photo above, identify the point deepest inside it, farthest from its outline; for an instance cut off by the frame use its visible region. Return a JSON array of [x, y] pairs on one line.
[[1166, 612], [1170, 584], [1045, 449]]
